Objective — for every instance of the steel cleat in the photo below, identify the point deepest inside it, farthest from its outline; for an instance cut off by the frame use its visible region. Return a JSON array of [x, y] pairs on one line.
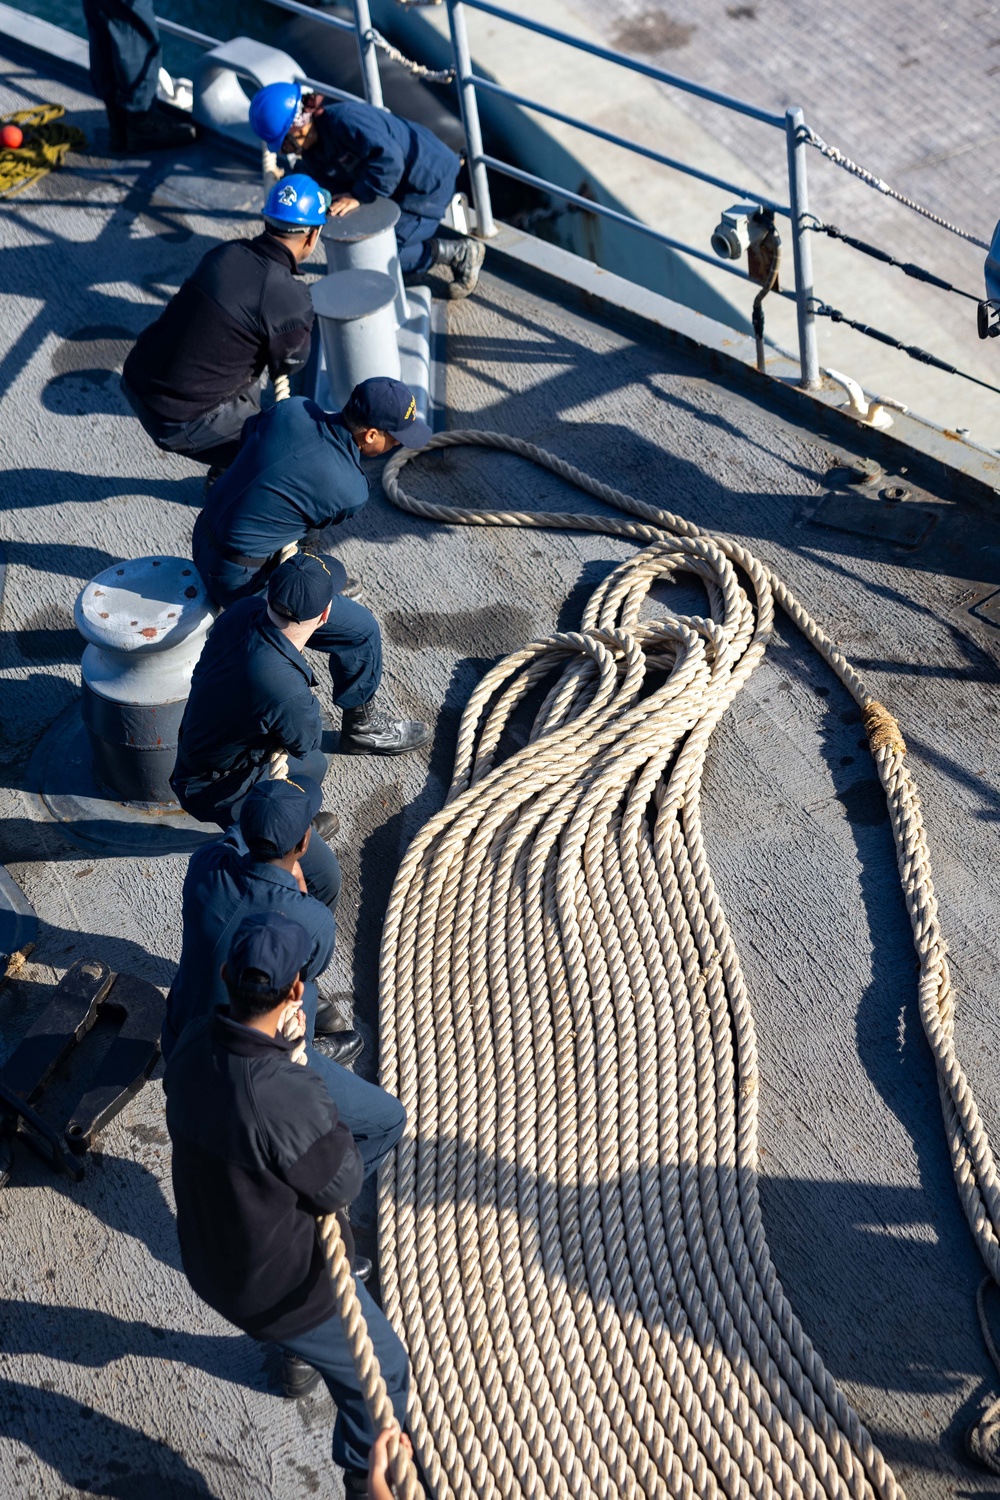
[[87, 991]]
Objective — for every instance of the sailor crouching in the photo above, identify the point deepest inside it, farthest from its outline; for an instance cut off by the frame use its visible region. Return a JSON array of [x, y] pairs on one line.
[[259, 1151], [297, 473], [193, 376]]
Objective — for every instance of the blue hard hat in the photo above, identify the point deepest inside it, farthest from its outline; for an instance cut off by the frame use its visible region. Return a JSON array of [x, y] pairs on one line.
[[297, 201], [272, 110]]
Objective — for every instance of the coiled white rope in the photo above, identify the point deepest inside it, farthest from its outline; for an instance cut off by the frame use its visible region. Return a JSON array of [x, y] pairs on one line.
[[571, 1243]]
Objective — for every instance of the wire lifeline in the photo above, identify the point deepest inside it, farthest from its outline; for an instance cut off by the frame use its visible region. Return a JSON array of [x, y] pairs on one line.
[[822, 310], [880, 185], [554, 945], [907, 267]]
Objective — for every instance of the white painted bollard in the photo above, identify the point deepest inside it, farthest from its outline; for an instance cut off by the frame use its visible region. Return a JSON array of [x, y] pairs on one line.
[[145, 623], [365, 240], [356, 311]]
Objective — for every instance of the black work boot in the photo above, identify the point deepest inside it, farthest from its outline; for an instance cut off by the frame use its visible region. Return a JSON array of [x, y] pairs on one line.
[[155, 131], [326, 824], [297, 1378], [367, 731], [465, 257], [343, 1047]]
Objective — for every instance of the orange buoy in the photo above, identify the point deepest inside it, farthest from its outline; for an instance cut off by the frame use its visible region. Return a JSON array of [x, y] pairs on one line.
[[12, 136]]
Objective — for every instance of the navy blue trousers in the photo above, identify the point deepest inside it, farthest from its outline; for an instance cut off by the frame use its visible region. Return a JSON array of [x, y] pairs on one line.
[[376, 1120], [351, 639], [124, 52], [326, 1349], [413, 236]]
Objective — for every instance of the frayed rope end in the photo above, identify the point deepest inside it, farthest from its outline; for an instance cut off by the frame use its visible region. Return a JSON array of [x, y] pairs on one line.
[[883, 731]]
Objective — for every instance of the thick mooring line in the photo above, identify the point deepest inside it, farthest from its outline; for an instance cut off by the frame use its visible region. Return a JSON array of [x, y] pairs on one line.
[[571, 1242]]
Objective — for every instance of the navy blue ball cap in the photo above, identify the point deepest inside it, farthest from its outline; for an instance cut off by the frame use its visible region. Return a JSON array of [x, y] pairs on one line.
[[390, 406], [302, 587], [273, 944], [275, 815]]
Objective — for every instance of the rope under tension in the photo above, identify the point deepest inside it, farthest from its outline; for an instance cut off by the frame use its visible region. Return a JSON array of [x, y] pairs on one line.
[[571, 1239], [832, 153]]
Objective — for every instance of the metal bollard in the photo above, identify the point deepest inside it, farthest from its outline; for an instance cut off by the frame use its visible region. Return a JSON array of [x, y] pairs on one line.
[[145, 622], [365, 240], [220, 101], [357, 319]]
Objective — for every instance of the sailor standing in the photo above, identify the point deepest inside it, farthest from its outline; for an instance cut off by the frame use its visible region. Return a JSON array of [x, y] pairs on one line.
[[361, 153], [125, 59], [194, 376], [260, 1149]]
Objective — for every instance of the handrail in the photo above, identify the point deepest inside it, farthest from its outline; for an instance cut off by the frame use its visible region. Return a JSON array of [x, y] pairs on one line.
[[315, 14], [488, 86], [632, 63], [174, 28], [589, 205]]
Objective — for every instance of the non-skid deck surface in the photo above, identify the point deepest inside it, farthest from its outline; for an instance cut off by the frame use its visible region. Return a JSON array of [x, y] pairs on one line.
[[116, 1381]]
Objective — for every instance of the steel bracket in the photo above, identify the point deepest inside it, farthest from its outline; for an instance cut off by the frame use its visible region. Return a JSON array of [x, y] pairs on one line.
[[87, 991]]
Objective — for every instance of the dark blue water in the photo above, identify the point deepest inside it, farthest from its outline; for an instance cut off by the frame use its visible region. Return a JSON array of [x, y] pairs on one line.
[[222, 19]]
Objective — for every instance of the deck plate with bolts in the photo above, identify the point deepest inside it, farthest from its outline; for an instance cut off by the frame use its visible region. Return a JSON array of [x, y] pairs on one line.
[[905, 525]]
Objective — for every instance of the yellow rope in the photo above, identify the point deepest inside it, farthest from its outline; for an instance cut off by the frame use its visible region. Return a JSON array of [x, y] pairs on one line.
[[44, 147]]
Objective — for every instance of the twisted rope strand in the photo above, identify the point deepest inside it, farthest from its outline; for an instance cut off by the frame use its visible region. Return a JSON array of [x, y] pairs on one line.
[[571, 1237]]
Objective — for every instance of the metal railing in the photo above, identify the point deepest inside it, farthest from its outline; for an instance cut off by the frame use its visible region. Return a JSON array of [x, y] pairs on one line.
[[470, 85], [792, 123]]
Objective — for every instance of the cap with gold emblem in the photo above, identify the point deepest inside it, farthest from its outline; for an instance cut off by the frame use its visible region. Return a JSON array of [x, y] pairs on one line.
[[390, 406]]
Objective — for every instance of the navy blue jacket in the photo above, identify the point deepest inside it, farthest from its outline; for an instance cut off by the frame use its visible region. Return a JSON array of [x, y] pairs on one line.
[[298, 469], [243, 309], [258, 1153], [371, 154], [251, 694], [225, 883]]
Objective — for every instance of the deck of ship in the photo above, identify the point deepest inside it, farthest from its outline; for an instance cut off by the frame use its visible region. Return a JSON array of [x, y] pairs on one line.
[[114, 1379]]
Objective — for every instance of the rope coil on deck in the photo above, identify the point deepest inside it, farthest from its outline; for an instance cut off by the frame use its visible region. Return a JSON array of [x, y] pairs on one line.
[[571, 1242]]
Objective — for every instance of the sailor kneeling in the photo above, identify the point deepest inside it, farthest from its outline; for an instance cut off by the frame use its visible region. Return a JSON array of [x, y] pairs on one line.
[[251, 697], [298, 472]]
